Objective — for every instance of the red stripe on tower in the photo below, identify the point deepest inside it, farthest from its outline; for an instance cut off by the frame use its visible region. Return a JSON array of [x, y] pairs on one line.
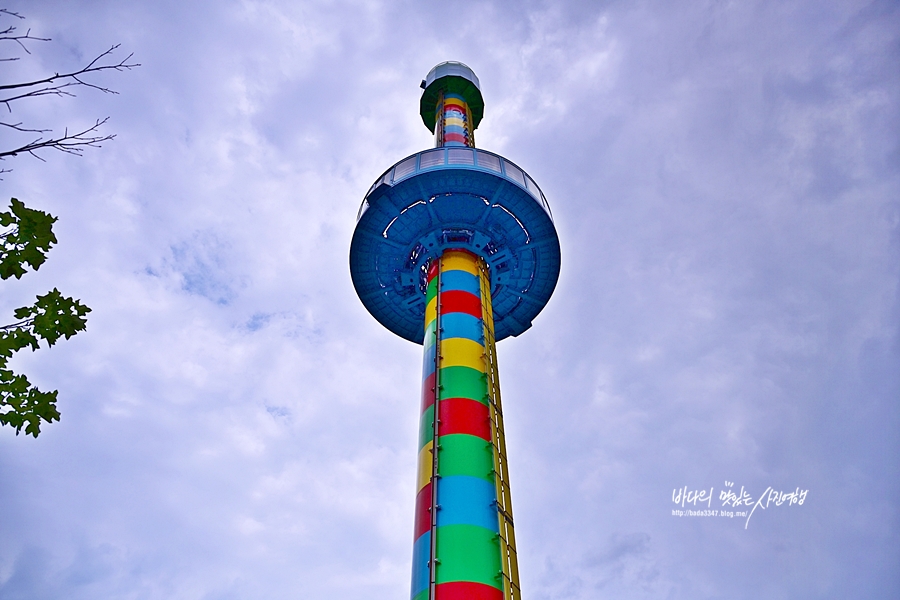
[[463, 415], [423, 514], [466, 590], [462, 302], [428, 392]]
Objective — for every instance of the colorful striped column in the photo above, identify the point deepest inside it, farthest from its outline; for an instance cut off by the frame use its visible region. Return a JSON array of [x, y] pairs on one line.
[[456, 505], [453, 120], [464, 543]]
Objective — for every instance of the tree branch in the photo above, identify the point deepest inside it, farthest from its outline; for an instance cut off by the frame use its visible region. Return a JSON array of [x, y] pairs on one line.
[[18, 127], [58, 84], [6, 35], [69, 143], [21, 324], [92, 67]]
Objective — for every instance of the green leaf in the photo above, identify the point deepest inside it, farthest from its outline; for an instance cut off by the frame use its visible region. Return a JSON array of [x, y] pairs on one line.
[[28, 242], [52, 316], [23, 405], [56, 316], [14, 340]]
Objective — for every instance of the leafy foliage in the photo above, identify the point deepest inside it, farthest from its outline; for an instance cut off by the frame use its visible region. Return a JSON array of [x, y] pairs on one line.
[[51, 317], [28, 243], [29, 233]]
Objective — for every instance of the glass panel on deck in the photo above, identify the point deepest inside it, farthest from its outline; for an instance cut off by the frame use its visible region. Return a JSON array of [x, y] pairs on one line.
[[488, 161], [431, 158], [532, 186], [460, 156], [405, 168], [514, 173]]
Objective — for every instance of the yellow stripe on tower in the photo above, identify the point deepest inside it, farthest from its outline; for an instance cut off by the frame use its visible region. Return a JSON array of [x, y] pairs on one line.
[[457, 261], [461, 352], [455, 103], [430, 312], [426, 465]]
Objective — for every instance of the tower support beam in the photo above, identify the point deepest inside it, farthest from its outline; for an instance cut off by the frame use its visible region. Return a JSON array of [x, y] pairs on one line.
[[509, 561]]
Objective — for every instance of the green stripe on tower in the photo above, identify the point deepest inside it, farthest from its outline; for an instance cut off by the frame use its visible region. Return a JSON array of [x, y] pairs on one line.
[[463, 382], [468, 553], [464, 454], [426, 427]]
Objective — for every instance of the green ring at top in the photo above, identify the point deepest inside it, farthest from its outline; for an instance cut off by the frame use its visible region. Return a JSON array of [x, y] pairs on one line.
[[453, 77]]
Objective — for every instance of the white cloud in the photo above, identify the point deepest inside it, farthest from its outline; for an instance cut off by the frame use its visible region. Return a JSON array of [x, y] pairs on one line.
[[235, 425]]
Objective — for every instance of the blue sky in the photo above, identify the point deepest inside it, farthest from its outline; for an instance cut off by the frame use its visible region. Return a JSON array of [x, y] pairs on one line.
[[724, 179]]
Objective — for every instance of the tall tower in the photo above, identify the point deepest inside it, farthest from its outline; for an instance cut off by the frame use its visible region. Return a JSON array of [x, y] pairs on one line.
[[455, 249]]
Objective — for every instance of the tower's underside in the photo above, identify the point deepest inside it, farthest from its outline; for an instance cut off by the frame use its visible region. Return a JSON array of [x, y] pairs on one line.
[[454, 198]]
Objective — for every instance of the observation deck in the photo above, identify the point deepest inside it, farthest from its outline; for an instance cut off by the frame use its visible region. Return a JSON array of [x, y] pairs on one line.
[[454, 197]]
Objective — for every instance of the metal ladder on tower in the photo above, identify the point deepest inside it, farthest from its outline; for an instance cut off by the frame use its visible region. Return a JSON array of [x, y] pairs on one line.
[[508, 559]]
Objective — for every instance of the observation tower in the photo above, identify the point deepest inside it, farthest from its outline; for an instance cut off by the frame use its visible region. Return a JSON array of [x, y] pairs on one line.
[[455, 249]]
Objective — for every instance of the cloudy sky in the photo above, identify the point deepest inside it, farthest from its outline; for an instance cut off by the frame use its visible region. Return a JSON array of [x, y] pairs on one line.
[[725, 179]]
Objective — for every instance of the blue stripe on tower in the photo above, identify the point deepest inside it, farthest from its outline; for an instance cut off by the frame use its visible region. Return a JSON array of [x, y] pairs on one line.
[[428, 361], [461, 280], [468, 501], [421, 556], [462, 325]]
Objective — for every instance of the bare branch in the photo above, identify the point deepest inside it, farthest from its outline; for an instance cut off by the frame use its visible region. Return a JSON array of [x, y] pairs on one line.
[[57, 84], [92, 67], [52, 90], [7, 35], [6, 11], [18, 127], [11, 326], [74, 143], [19, 39]]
